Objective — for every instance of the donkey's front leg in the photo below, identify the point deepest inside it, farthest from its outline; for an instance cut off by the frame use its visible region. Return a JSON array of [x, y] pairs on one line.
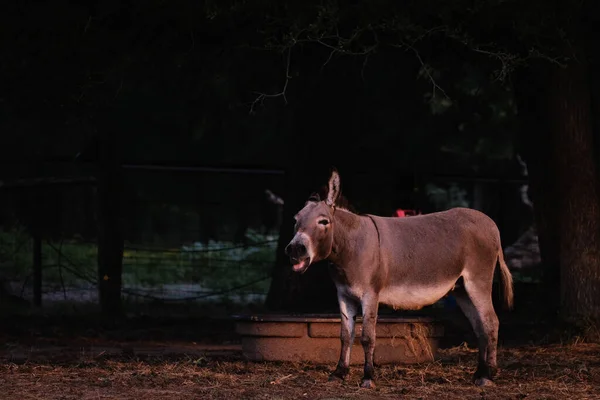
[[348, 311], [370, 304]]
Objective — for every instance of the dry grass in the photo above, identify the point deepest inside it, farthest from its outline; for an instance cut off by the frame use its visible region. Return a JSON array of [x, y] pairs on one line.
[[84, 371]]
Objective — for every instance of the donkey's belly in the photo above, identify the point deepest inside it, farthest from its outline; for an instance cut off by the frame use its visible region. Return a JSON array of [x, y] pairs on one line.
[[414, 297]]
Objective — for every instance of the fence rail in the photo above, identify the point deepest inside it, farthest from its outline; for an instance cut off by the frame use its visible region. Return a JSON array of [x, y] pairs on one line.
[[193, 233]]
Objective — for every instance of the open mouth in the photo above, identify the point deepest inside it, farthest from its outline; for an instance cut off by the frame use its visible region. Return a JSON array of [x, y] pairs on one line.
[[300, 265]]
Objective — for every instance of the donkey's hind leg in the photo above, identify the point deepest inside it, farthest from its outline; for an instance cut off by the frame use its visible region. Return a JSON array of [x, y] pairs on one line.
[[476, 304]]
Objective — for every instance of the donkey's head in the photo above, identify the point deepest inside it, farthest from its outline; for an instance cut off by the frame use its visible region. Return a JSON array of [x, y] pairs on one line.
[[313, 231]]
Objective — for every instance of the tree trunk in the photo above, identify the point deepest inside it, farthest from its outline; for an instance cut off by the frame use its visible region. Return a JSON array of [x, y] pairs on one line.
[[578, 212], [110, 225], [312, 291], [313, 152], [564, 184]]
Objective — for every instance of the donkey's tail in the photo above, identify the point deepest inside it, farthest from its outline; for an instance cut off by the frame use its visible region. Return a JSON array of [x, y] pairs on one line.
[[507, 280]]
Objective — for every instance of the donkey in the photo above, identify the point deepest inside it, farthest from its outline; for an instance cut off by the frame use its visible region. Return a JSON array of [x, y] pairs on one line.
[[406, 263]]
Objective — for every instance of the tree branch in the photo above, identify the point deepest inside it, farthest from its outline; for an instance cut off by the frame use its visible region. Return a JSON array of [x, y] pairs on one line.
[[262, 96], [324, 32], [426, 69]]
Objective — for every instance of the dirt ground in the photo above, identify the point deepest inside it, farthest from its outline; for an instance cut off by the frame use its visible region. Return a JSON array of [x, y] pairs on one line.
[[104, 369]]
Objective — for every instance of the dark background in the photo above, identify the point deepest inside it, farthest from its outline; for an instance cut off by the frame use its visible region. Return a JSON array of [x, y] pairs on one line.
[[138, 139]]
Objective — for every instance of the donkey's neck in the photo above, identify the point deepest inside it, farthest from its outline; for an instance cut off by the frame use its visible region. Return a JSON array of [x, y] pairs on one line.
[[349, 232]]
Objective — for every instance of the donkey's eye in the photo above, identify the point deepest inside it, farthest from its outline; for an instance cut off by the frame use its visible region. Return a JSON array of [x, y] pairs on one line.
[[323, 222]]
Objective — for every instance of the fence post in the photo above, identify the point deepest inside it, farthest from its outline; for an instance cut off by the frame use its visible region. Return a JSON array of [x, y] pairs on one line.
[[110, 224], [37, 269]]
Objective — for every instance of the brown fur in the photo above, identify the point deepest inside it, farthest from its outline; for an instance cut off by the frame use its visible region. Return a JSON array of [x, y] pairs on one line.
[[407, 263]]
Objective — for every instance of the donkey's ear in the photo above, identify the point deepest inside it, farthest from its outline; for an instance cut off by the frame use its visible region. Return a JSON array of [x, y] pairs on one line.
[[334, 188]]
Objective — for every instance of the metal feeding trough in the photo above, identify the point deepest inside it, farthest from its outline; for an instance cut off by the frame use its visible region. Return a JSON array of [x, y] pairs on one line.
[[316, 338]]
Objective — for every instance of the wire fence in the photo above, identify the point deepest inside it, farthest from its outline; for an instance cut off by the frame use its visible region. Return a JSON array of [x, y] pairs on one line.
[[191, 237], [148, 274]]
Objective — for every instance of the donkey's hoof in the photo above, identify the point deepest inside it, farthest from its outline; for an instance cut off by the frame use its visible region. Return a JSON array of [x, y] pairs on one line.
[[339, 374], [484, 382], [367, 384]]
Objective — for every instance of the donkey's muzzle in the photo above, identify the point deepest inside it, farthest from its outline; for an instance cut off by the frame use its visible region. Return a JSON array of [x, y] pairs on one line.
[[296, 250], [299, 256]]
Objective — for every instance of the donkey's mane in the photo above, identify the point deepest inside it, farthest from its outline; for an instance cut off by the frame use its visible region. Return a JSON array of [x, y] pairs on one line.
[[341, 203]]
